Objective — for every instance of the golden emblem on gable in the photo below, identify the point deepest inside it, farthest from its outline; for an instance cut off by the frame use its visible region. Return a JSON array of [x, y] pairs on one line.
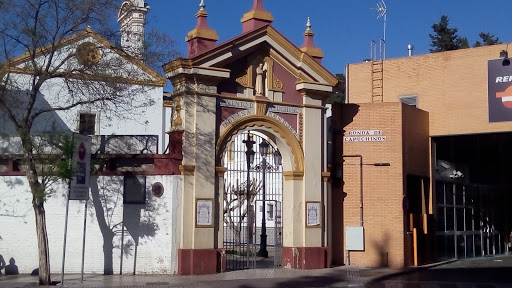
[[88, 54], [277, 84]]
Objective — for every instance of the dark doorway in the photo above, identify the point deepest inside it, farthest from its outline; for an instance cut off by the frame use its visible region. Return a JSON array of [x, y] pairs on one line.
[[472, 194]]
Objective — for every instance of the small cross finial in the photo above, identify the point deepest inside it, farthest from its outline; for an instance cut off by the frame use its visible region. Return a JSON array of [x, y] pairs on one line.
[[202, 5], [308, 25]]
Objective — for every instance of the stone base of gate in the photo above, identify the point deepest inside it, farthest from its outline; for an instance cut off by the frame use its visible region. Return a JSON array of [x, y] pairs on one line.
[[305, 258], [201, 261]]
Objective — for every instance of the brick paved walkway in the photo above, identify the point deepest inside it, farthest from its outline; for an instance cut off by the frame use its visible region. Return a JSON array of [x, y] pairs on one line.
[[333, 277]]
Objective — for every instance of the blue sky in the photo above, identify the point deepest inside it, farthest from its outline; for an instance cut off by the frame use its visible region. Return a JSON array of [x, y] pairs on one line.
[[343, 28]]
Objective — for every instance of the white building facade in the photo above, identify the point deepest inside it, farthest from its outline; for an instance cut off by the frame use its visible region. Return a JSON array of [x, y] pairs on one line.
[[131, 214]]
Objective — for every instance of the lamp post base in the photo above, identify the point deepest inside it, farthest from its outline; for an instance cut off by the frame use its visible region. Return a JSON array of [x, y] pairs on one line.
[[263, 247]]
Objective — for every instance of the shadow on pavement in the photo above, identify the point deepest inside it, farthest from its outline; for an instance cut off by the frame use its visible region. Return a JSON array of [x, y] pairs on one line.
[[496, 270]]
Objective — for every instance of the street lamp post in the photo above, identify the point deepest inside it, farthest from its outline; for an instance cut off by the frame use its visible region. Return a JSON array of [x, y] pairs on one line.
[[264, 150], [249, 154]]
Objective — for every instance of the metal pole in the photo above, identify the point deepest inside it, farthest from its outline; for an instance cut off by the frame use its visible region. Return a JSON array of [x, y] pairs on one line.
[[122, 247], [135, 258], [263, 236], [248, 144], [67, 213], [65, 237], [83, 242], [248, 203], [384, 56]]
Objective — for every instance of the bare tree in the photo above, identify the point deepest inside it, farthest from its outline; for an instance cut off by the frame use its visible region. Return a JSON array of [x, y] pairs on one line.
[[235, 204], [58, 49]]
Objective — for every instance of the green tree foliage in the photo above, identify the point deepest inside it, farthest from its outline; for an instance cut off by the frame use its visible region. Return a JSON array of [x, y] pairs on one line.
[[487, 40], [464, 43], [444, 38], [339, 94]]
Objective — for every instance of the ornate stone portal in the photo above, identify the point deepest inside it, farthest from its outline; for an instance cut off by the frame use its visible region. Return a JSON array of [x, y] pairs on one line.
[[214, 87]]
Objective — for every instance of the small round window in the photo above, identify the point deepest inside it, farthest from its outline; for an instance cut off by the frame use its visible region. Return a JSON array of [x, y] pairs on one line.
[[157, 189]]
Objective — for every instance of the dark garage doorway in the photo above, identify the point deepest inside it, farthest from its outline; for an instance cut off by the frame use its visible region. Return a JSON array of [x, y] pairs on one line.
[[473, 186]]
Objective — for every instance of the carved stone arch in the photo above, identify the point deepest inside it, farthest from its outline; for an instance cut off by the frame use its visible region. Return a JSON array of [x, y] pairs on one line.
[[265, 125]]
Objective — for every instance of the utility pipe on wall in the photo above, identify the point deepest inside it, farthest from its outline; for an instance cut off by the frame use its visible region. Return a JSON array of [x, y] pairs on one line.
[[361, 185], [361, 164]]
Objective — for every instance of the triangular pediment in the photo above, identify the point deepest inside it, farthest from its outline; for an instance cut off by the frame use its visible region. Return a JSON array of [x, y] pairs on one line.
[[264, 43], [70, 54]]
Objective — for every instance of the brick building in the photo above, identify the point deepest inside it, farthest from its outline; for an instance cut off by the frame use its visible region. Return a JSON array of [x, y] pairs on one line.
[[421, 160]]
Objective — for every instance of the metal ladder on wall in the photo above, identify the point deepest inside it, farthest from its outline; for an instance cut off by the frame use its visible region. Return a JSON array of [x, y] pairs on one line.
[[377, 70]]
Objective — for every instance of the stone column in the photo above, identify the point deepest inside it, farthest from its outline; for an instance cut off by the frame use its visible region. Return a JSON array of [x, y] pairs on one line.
[[199, 251], [307, 247]]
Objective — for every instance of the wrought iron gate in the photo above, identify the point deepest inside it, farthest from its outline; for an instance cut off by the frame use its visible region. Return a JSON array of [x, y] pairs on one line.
[[252, 233]]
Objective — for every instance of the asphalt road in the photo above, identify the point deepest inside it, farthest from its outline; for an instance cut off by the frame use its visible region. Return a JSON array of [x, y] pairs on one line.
[[476, 272]]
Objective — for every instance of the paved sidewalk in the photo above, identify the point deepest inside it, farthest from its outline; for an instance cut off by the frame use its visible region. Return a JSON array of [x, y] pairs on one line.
[[351, 276]]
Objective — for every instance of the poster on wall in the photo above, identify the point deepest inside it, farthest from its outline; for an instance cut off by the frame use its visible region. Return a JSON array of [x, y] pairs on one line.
[[313, 212], [204, 213], [499, 90]]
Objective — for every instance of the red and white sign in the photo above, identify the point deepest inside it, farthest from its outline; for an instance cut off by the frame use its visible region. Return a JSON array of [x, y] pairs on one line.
[[81, 165], [506, 97], [499, 90]]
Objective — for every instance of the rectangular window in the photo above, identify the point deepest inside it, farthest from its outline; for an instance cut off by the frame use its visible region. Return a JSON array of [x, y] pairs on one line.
[[4, 165], [270, 212], [87, 123], [134, 189], [409, 100], [16, 165]]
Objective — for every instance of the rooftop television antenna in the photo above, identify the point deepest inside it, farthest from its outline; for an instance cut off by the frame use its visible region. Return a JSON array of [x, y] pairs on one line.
[[382, 13]]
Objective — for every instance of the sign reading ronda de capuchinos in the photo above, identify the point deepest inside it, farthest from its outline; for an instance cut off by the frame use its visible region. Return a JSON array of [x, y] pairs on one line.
[[364, 136], [499, 91]]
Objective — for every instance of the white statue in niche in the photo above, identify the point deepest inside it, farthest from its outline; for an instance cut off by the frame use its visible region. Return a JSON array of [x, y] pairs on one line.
[[260, 75]]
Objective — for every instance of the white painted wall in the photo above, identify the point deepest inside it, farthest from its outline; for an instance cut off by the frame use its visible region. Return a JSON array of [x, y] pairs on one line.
[[156, 254], [128, 120]]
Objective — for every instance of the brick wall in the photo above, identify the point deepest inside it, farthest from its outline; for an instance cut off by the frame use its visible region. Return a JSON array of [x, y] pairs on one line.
[[451, 86], [406, 150], [382, 186]]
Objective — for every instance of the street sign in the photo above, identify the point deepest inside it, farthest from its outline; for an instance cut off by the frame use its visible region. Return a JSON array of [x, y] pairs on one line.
[[81, 165]]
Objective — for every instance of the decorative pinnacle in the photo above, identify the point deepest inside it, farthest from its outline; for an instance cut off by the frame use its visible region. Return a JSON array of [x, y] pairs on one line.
[[308, 32], [202, 11]]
